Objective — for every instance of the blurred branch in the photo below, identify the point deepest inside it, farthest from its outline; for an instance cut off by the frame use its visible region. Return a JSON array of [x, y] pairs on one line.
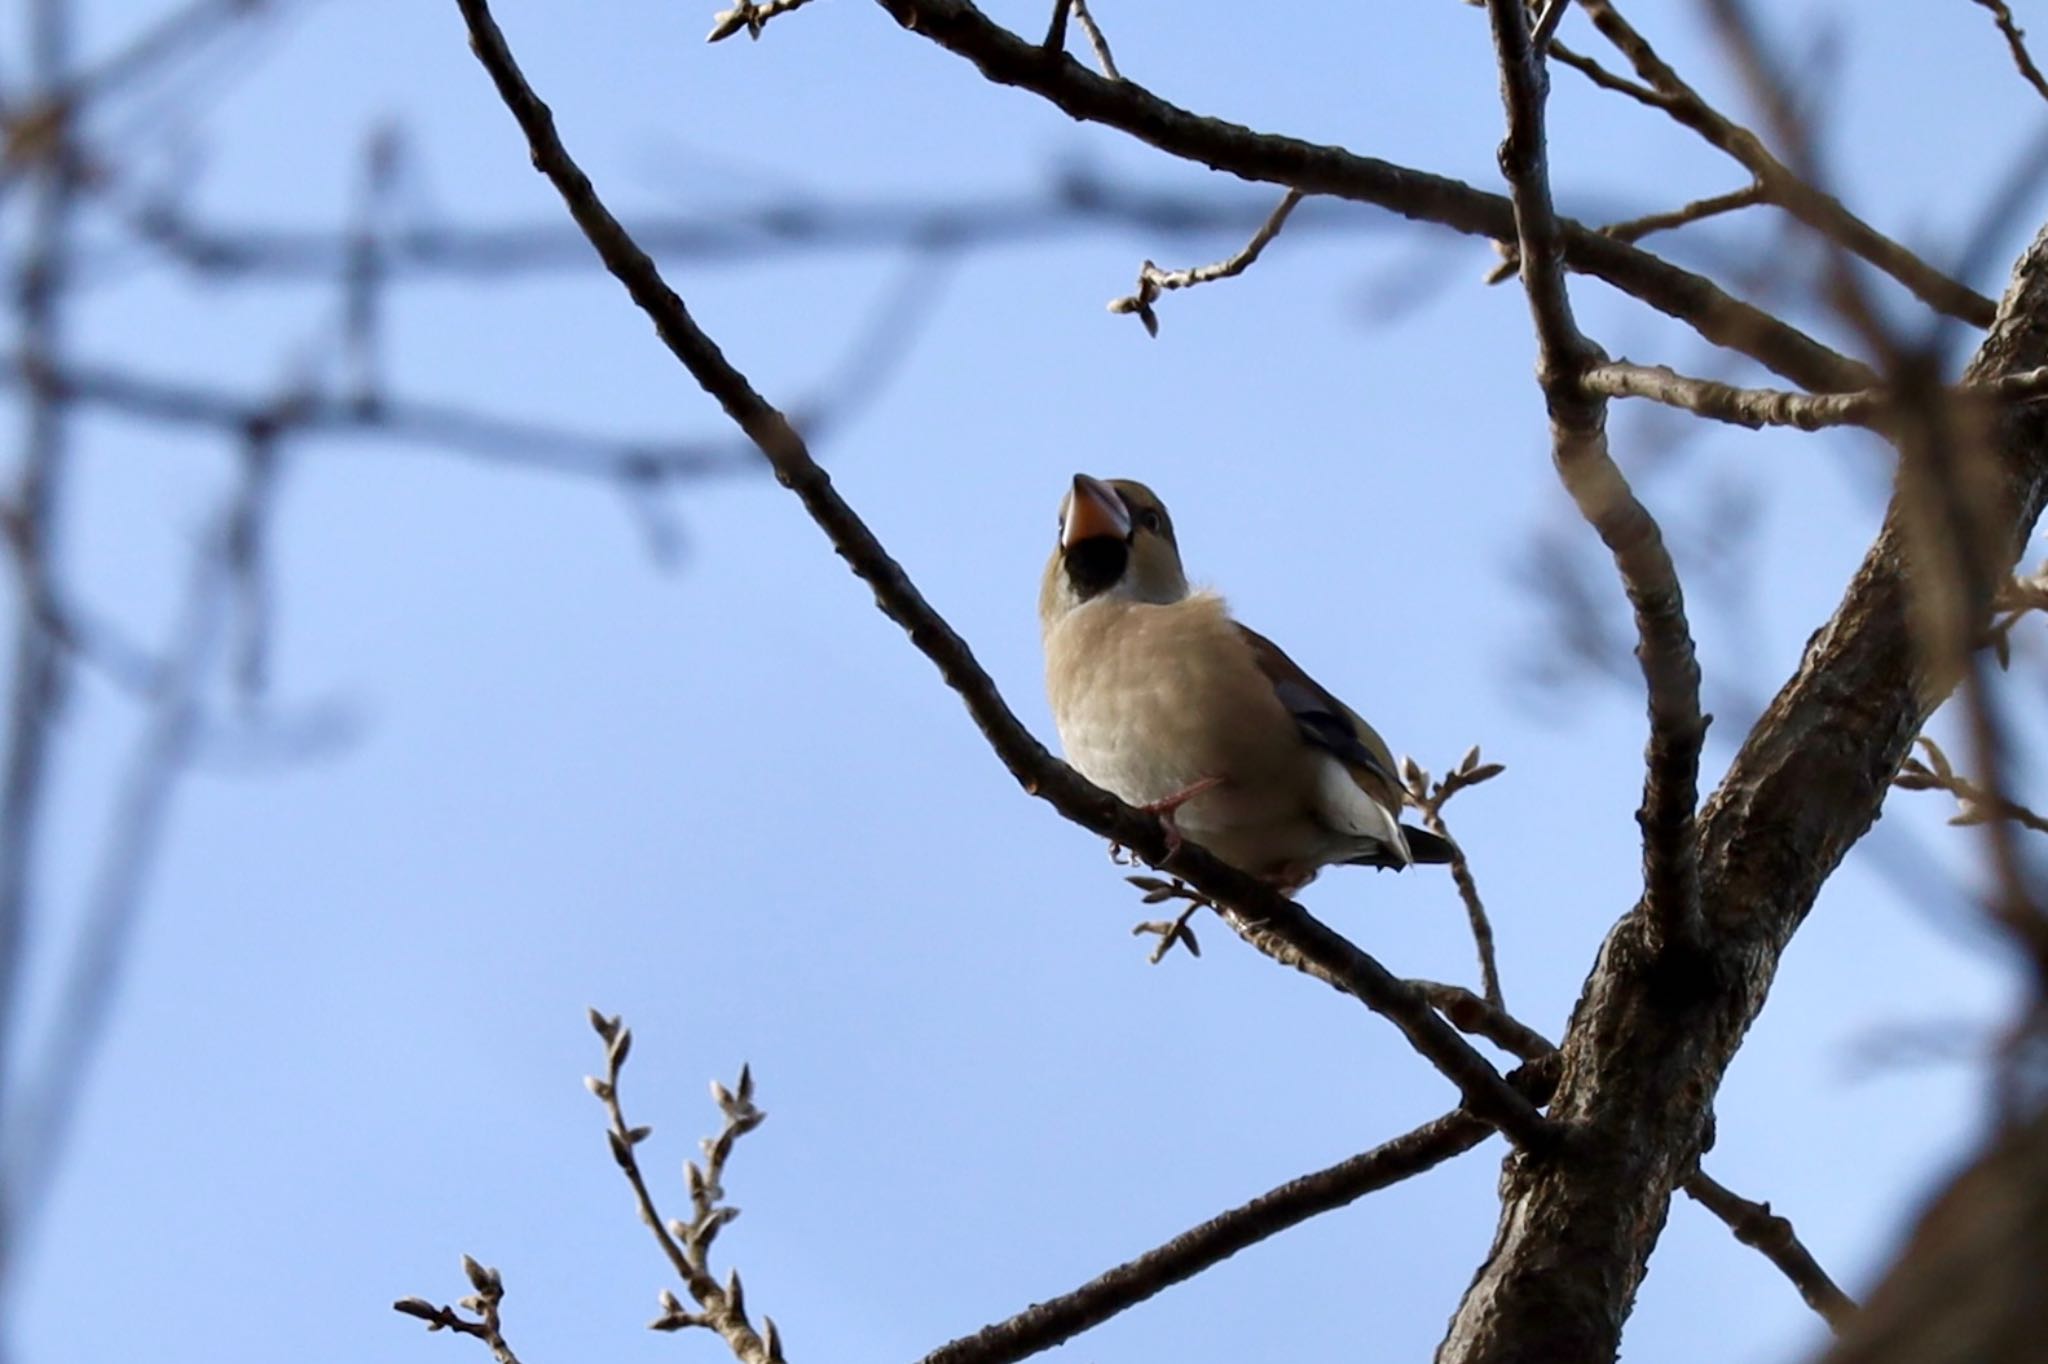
[[1152, 280], [2016, 40], [1271, 922], [1076, 200], [1430, 797], [32, 508], [1578, 420], [1635, 229], [1818, 210], [311, 414], [1047, 1324], [1976, 805], [36, 1138], [1006, 59], [1593, 71]]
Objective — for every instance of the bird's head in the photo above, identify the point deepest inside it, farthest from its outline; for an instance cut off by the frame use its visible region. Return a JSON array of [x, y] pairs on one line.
[[1115, 540]]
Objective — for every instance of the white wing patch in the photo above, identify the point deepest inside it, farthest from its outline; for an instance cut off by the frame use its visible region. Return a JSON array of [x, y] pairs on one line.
[[1351, 812]]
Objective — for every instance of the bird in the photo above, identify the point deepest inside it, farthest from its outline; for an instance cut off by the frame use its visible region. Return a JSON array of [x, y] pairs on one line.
[[1162, 698]]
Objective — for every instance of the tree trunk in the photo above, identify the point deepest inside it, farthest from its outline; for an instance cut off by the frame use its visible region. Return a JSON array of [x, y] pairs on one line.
[[1656, 1026]]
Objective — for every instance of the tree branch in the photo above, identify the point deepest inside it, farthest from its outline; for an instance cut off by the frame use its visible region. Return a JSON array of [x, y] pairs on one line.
[[1046, 1324], [1578, 420], [1259, 914], [1007, 59], [1760, 407], [1152, 280], [1754, 1224], [1651, 1038], [1817, 209], [2016, 42]]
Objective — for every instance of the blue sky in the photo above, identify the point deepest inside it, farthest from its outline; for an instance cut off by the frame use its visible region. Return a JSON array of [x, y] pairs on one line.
[[726, 799]]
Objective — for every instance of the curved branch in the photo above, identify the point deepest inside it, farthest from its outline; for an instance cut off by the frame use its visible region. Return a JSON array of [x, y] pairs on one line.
[[1044, 1325], [1007, 59], [1578, 421], [1268, 920]]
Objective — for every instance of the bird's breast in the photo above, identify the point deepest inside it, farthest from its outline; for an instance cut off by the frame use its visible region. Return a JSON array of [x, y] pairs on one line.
[[1149, 700]]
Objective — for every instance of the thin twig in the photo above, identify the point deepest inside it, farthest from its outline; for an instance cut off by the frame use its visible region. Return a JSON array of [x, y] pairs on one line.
[[1635, 229], [485, 1325], [2016, 39], [1271, 922], [1759, 407], [1430, 797], [1152, 281], [1975, 804], [1713, 206], [1046, 1324], [1671, 673], [1096, 40], [1007, 59], [687, 1245], [1593, 71], [751, 15], [1754, 1224]]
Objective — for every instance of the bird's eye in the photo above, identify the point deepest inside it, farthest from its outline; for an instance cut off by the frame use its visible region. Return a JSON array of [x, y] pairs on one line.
[[1149, 519]]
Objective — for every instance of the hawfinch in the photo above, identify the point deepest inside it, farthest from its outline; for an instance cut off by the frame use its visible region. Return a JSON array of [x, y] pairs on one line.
[[1162, 698]]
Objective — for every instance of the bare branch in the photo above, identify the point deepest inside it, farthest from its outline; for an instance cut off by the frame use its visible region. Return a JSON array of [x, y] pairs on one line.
[[1651, 1039], [1430, 798], [1152, 280], [485, 1325], [2016, 39], [1096, 40], [687, 1245], [1593, 71], [1788, 190], [1760, 407], [1005, 58], [1271, 922], [1046, 1324], [751, 15], [1635, 229], [1579, 443], [1699, 210], [1976, 805], [1754, 1224]]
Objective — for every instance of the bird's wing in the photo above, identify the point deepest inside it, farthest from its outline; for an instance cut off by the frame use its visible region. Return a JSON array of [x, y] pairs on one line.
[[1329, 724]]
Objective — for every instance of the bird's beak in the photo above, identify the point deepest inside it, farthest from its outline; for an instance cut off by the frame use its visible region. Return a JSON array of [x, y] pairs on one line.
[[1094, 511]]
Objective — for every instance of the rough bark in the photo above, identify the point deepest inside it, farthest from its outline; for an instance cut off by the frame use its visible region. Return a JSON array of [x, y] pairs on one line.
[[1658, 1024]]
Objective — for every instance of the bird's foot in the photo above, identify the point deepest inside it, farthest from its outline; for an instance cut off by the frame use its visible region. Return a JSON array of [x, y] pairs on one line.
[[1170, 931], [1164, 809]]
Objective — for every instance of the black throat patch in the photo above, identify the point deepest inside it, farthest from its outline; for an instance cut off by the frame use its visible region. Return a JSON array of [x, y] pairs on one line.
[[1096, 564]]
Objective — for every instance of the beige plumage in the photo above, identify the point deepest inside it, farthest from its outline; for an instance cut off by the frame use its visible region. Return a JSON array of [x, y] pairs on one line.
[[1162, 698]]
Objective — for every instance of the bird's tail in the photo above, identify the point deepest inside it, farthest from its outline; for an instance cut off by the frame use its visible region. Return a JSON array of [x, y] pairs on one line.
[[1422, 846]]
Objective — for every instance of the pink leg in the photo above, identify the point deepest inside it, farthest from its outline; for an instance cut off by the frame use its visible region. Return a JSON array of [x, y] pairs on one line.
[[1165, 808]]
